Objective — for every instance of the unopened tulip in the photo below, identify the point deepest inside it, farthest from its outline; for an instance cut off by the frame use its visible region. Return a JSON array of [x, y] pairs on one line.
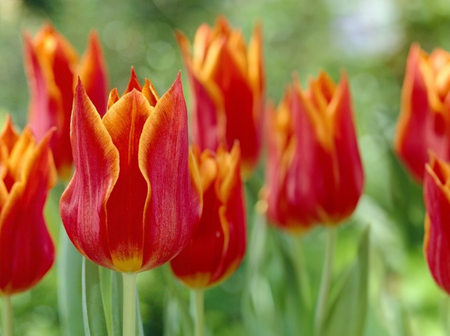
[[227, 85], [437, 229], [135, 196], [27, 172], [314, 168], [424, 121], [52, 66], [218, 244]]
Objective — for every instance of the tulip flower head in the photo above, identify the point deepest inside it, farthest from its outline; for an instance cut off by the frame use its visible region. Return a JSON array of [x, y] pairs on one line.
[[314, 168], [424, 121], [218, 244], [135, 196], [27, 173], [227, 84], [437, 230], [52, 65]]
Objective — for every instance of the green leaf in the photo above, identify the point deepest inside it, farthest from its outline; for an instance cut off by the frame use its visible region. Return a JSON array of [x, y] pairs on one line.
[[93, 309], [69, 287], [347, 313]]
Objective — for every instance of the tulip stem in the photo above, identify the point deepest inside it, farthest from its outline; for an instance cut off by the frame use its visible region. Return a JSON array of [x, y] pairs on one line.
[[7, 316], [327, 274], [199, 300], [302, 273], [129, 304]]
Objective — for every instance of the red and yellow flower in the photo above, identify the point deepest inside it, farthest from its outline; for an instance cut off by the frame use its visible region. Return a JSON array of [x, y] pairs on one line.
[[424, 121], [314, 172], [135, 196], [27, 173], [228, 84], [437, 222], [52, 66], [218, 245]]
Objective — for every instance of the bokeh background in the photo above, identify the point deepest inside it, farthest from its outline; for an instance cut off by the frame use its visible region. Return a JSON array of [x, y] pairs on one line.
[[370, 39]]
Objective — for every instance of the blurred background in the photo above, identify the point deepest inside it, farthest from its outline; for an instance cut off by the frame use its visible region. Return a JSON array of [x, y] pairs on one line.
[[370, 39]]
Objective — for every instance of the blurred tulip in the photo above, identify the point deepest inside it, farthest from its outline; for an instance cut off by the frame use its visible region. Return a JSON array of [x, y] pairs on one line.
[[52, 65], [314, 168], [27, 173], [228, 84], [135, 196], [437, 231], [218, 244], [424, 121]]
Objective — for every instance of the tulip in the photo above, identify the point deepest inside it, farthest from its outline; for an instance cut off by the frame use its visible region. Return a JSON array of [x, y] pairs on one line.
[[218, 244], [424, 121], [27, 252], [135, 198], [314, 168], [52, 65], [437, 231], [228, 83]]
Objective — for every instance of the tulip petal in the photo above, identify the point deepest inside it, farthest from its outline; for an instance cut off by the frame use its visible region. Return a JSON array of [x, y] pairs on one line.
[[347, 161], [93, 73], [26, 247], [437, 230], [83, 204], [164, 162], [419, 126], [207, 105], [150, 93], [133, 83], [125, 122]]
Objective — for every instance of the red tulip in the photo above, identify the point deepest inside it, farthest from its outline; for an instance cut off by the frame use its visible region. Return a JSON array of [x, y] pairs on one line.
[[437, 230], [218, 245], [135, 197], [424, 121], [52, 65], [314, 168], [228, 84], [27, 173]]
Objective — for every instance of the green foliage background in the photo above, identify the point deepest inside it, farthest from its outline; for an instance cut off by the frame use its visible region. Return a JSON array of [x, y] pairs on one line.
[[370, 39]]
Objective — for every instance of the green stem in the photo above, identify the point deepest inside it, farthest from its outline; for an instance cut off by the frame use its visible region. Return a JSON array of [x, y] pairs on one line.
[[7, 316], [302, 273], [326, 281], [199, 300], [129, 304]]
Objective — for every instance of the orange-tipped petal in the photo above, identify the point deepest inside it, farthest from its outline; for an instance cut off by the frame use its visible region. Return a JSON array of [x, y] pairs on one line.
[[218, 245], [164, 162], [26, 248], [125, 208], [133, 83], [113, 97], [437, 229], [150, 93], [93, 73], [83, 204]]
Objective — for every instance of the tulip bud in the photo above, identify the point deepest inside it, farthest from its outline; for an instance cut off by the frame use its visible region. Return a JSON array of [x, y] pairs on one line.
[[227, 84], [52, 65], [314, 168], [437, 231], [135, 196], [27, 174], [218, 245], [424, 121]]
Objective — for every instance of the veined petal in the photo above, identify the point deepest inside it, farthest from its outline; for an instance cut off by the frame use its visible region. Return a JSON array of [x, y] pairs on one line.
[[125, 208], [83, 204], [26, 248], [113, 97], [164, 162], [150, 93], [133, 83], [93, 73]]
